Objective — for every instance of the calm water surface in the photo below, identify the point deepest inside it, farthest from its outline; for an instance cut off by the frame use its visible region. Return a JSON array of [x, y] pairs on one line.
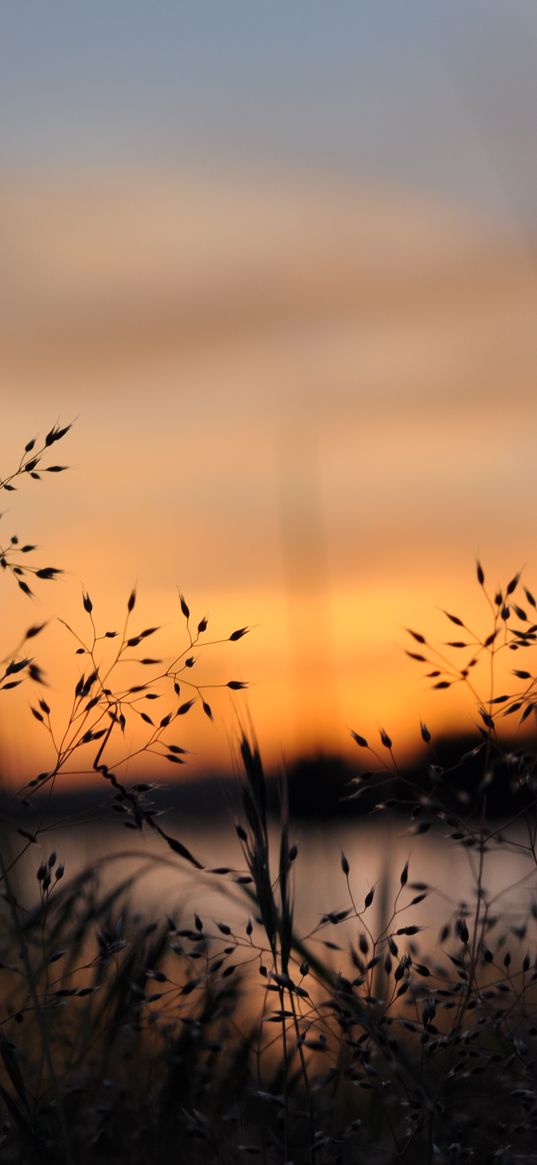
[[160, 883]]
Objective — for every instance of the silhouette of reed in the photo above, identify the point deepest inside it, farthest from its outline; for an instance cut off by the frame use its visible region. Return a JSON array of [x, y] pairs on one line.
[[133, 1038]]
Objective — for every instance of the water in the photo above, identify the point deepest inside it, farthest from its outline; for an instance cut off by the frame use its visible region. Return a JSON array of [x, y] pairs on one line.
[[159, 883]]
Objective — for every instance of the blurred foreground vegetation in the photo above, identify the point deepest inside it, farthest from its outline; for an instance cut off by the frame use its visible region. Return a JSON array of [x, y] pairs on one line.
[[181, 1038]]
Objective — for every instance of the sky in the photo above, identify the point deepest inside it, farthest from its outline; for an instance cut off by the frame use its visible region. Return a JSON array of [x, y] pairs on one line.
[[277, 263], [426, 94]]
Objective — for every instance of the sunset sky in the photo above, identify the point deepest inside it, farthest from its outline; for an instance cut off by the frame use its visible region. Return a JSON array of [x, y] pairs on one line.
[[280, 270]]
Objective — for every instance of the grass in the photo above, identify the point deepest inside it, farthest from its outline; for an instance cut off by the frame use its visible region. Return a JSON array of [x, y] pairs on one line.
[[167, 1039]]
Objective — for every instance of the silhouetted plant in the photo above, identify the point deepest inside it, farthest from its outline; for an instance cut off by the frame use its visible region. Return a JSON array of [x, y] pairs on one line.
[[16, 665], [206, 1039]]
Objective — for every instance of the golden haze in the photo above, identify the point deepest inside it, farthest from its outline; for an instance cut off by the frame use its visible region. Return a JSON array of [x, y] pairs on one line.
[[307, 407]]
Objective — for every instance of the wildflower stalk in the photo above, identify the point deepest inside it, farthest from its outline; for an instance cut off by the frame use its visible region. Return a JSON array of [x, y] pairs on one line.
[[37, 1009]]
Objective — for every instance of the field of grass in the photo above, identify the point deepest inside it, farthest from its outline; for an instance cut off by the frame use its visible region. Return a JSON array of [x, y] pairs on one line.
[[181, 1038]]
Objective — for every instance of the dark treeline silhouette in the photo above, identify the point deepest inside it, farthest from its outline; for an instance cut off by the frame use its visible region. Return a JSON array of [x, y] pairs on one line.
[[462, 767], [328, 785]]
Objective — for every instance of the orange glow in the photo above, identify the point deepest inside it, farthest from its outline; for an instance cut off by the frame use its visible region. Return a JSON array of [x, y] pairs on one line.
[[309, 409]]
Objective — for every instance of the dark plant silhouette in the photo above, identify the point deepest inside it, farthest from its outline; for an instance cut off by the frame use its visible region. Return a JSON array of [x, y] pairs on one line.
[[185, 1037]]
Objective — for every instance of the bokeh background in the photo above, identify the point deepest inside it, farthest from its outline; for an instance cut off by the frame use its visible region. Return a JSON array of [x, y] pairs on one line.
[[278, 261]]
